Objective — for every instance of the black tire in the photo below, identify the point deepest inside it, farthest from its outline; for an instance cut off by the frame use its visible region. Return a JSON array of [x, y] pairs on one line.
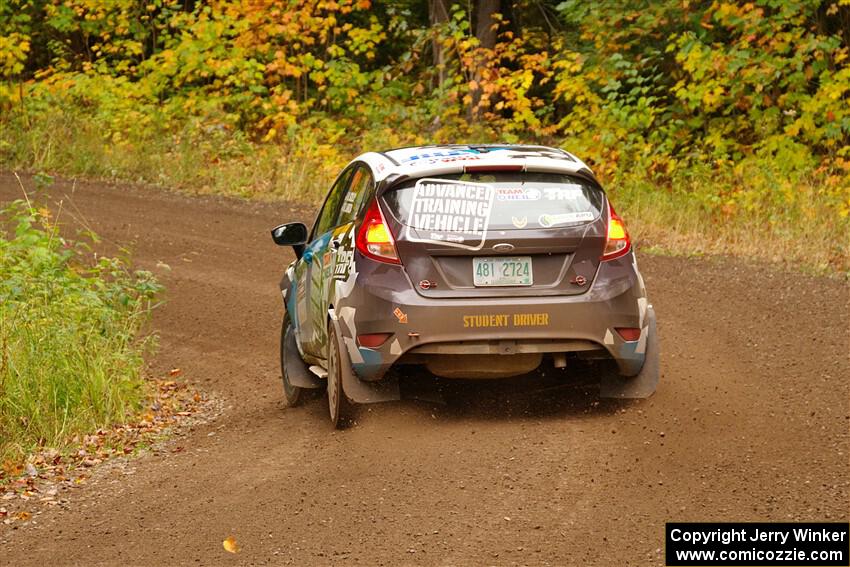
[[291, 394], [341, 410]]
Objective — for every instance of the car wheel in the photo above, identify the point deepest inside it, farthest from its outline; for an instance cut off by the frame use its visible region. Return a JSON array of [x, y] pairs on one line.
[[291, 393], [341, 410]]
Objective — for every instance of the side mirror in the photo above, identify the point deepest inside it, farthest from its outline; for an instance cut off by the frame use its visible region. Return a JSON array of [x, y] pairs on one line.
[[291, 234]]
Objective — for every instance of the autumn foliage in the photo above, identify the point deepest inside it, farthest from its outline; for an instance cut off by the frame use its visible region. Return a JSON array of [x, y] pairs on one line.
[[740, 109]]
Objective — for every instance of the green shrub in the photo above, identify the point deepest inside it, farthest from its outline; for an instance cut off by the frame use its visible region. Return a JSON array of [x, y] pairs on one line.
[[70, 345]]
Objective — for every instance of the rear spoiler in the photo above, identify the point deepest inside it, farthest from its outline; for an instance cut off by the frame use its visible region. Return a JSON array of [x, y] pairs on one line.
[[394, 180]]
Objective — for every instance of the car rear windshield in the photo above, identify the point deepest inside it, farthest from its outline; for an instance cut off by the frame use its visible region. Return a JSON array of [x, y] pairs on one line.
[[510, 200]]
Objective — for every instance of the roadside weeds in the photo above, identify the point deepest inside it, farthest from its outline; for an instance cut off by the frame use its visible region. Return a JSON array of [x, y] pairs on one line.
[[47, 477]]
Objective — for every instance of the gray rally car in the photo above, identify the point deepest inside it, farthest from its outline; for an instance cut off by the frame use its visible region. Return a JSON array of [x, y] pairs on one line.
[[472, 261]]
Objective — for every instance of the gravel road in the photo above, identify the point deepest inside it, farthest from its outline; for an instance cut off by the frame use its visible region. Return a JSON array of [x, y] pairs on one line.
[[750, 422]]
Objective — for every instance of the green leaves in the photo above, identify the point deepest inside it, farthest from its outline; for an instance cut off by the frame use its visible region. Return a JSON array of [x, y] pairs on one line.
[[69, 325]]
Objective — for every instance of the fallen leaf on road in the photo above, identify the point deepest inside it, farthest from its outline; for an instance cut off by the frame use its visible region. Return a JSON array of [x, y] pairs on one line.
[[36, 480], [12, 468], [24, 516], [230, 545], [175, 372]]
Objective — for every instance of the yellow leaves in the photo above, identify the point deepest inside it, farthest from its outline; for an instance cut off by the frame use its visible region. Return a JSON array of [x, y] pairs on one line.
[[13, 52], [230, 545], [794, 128], [712, 98]]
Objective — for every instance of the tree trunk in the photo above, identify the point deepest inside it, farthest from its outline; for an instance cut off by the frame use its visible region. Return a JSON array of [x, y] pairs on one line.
[[485, 10], [438, 13], [486, 33]]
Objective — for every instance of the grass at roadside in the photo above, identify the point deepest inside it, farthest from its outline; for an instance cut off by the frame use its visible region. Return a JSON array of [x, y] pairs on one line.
[[70, 335], [761, 214], [194, 158], [806, 235]]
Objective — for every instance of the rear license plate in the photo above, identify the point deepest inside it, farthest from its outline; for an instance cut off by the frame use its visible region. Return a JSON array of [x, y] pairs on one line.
[[502, 271]]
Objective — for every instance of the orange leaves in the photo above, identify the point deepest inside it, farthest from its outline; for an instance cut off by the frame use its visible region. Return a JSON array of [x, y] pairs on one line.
[[496, 84], [41, 479], [12, 468], [230, 545], [24, 516]]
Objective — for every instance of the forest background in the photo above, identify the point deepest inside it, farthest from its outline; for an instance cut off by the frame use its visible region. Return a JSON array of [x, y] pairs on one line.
[[717, 127]]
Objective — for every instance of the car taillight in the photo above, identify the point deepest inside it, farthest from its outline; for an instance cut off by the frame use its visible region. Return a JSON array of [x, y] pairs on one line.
[[374, 239], [491, 168], [618, 242], [629, 334], [373, 340]]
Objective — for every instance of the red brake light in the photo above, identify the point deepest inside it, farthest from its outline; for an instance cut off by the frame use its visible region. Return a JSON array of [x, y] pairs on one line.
[[487, 168], [618, 242], [373, 340], [629, 334], [374, 239]]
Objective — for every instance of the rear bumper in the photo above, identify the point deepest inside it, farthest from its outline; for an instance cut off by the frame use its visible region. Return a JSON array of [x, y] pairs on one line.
[[617, 298]]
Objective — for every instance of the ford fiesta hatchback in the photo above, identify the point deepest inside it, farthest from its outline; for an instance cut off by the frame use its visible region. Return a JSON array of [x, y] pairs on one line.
[[470, 261]]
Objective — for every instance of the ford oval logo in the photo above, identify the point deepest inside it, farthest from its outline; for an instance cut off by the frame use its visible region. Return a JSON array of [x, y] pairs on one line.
[[503, 247]]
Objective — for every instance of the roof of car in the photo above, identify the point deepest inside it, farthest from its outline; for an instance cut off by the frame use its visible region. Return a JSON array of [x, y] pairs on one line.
[[419, 161]]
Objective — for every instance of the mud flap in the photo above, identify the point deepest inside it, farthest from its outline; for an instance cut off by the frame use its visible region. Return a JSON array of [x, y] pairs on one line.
[[644, 384], [296, 369], [355, 389]]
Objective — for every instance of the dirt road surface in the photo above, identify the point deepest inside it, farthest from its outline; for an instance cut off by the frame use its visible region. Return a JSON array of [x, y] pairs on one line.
[[750, 423]]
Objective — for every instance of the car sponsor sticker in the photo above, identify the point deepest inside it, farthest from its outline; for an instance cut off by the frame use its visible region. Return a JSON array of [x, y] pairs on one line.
[[348, 202], [565, 218], [517, 194], [564, 193], [420, 156], [452, 213], [520, 222], [344, 255]]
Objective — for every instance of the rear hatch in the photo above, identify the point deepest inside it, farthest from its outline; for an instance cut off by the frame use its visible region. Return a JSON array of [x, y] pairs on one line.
[[498, 234]]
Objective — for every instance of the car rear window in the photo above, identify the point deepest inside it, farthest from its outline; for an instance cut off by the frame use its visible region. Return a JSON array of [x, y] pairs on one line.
[[519, 200]]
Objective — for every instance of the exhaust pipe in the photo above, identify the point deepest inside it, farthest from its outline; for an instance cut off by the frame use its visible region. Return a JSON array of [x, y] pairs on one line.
[[560, 359]]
